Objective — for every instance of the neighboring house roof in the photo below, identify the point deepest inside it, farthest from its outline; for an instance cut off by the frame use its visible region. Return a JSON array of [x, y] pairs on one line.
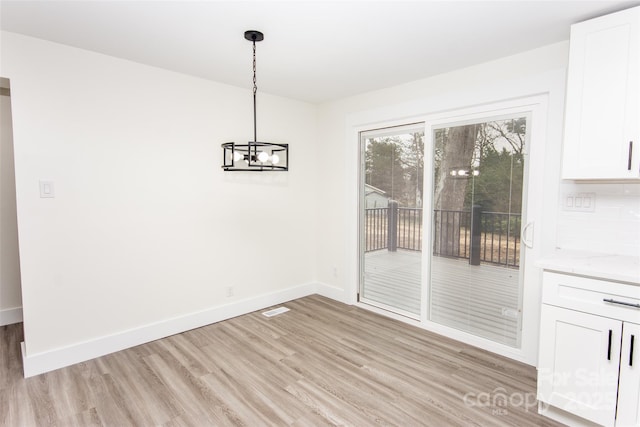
[[368, 189]]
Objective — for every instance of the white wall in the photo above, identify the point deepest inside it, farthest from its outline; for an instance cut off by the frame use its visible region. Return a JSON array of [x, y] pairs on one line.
[[145, 227], [10, 296], [612, 227]]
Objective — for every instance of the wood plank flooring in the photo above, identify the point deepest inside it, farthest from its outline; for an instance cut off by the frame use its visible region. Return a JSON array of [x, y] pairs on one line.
[[322, 363]]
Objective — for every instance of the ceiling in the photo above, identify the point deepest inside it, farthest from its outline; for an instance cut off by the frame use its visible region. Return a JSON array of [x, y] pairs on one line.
[[314, 51]]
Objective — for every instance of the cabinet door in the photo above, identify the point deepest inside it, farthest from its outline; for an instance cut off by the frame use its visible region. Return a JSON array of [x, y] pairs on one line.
[[602, 117], [629, 386], [578, 363]]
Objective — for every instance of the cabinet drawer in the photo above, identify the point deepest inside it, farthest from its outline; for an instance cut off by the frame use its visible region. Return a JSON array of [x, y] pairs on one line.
[[589, 295]]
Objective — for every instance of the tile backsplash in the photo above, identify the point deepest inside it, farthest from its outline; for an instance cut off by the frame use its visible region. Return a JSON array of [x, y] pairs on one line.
[[610, 224]]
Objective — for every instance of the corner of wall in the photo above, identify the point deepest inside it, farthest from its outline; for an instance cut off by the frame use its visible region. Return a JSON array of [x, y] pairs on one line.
[[333, 292]]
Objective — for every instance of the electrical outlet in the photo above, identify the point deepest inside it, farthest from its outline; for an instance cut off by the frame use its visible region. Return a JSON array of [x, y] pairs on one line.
[[579, 202], [230, 291]]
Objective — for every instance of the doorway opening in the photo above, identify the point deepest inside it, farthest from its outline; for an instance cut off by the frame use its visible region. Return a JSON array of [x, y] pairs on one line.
[[10, 279]]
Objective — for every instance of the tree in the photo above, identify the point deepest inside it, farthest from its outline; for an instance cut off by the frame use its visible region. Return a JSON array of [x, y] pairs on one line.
[[383, 166], [501, 175], [456, 152], [413, 163], [498, 187]]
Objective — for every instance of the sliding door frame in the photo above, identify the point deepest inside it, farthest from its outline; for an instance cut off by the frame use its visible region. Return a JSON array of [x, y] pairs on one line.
[[535, 109], [537, 106], [362, 135]]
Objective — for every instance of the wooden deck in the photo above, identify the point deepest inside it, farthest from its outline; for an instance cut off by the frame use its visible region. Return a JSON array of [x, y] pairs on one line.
[[393, 278], [482, 300]]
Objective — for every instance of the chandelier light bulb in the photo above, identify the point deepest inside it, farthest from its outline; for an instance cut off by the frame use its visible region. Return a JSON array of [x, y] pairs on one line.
[[263, 156], [275, 159], [237, 156]]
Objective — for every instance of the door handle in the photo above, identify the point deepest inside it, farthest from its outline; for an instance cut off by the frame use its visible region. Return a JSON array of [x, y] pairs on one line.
[[609, 346], [527, 242], [631, 350], [630, 155]]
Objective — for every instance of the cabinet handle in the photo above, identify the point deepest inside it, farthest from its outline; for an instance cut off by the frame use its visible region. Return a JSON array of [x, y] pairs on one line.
[[631, 350], [630, 155], [609, 347], [628, 304]]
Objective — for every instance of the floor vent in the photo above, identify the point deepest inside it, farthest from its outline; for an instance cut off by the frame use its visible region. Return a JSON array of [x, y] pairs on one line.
[[275, 311]]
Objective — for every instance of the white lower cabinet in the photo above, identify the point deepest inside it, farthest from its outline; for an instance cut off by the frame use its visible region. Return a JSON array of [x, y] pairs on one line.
[[629, 387], [577, 371], [588, 364]]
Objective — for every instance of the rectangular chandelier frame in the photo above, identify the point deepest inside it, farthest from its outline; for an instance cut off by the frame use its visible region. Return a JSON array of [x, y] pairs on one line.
[[255, 157]]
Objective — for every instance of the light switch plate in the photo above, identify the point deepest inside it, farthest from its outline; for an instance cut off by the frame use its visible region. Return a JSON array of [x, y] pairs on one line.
[[46, 189], [579, 202]]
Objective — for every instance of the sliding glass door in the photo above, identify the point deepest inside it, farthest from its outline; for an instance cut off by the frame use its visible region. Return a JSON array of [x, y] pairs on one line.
[[475, 282], [391, 218]]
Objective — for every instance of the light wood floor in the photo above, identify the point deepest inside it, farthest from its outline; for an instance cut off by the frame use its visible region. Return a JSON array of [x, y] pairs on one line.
[[322, 363]]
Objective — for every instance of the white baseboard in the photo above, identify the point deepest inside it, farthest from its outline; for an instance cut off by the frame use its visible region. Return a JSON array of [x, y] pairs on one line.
[[35, 364], [9, 316], [332, 292]]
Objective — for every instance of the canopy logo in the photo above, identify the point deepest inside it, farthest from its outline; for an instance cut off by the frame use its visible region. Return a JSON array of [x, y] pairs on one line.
[[499, 400]]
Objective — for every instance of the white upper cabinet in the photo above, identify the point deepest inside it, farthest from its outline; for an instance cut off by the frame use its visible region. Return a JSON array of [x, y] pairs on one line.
[[602, 120]]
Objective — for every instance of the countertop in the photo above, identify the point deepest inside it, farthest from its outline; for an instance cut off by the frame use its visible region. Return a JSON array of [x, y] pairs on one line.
[[620, 268]]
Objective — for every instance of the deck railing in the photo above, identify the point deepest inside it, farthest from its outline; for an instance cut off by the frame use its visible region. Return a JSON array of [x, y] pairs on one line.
[[490, 237], [376, 228]]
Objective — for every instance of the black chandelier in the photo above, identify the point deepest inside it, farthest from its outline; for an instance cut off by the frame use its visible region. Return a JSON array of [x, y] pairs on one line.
[[255, 156]]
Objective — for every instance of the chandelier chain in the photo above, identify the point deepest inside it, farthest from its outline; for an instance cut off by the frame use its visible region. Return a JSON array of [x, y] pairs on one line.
[[255, 86]]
